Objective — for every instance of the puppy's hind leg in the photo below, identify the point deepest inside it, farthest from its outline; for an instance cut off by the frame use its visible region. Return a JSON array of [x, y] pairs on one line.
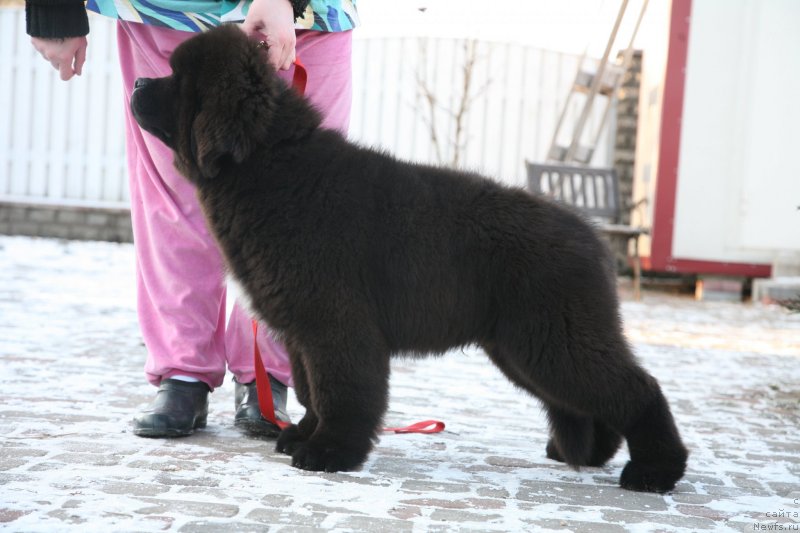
[[580, 440], [606, 443], [588, 371], [658, 457], [571, 435], [623, 399]]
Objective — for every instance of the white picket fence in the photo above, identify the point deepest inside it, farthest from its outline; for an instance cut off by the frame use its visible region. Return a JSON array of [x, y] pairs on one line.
[[64, 143]]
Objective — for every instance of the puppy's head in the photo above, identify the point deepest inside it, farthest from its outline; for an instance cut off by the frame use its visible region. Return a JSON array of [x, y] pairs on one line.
[[215, 106]]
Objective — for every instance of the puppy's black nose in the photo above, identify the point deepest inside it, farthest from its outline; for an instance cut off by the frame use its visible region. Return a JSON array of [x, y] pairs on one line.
[[141, 82]]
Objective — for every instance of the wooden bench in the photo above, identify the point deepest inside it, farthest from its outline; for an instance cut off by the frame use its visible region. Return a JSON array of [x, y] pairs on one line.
[[595, 192]]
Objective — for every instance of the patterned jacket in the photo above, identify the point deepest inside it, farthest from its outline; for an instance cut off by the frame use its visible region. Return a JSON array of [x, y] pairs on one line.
[[68, 18]]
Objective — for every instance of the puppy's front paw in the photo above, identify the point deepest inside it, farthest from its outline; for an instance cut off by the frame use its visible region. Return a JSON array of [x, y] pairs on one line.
[[552, 451], [289, 439], [318, 456]]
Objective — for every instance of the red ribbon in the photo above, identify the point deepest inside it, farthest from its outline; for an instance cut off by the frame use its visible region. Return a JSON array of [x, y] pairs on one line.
[[426, 426], [300, 77], [264, 392], [263, 388]]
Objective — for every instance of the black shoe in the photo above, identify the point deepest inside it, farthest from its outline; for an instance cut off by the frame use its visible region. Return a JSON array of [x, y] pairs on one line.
[[179, 408], [248, 413]]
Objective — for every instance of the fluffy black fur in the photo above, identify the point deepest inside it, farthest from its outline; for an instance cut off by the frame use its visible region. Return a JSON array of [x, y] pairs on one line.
[[352, 256]]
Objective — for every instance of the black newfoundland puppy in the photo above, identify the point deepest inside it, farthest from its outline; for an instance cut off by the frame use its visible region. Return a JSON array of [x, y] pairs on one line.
[[353, 256]]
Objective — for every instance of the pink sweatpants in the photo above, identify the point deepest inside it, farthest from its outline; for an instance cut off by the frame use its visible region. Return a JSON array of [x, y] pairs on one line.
[[180, 278]]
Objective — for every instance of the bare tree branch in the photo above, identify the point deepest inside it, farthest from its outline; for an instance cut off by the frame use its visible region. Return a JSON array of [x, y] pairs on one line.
[[458, 116]]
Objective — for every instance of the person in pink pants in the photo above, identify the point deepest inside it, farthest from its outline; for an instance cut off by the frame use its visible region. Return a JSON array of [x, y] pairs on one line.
[[180, 275]]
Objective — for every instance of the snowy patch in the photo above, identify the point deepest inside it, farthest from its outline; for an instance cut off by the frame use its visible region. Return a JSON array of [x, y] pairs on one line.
[[72, 378]]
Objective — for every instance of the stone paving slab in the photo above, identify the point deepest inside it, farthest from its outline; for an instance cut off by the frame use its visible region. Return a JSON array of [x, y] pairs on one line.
[[71, 378]]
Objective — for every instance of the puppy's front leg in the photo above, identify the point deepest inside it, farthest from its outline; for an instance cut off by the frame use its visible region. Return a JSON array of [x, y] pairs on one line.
[[348, 385], [292, 436]]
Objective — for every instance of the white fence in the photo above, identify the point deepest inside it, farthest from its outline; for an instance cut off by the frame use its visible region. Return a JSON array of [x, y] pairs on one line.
[[63, 142]]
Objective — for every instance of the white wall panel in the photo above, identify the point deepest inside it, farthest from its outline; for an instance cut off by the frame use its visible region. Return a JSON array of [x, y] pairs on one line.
[[739, 176]]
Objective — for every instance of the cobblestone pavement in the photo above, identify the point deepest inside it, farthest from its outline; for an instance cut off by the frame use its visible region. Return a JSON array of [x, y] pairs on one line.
[[71, 379]]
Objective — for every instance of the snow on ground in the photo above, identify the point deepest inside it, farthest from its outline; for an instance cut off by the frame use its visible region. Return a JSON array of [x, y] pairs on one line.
[[71, 377]]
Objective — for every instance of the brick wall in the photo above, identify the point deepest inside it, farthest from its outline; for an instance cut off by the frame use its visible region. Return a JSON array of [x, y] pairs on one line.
[[625, 144], [627, 122], [66, 222]]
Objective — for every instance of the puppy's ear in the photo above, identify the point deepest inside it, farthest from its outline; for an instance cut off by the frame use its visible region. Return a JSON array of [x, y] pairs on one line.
[[217, 138], [236, 112]]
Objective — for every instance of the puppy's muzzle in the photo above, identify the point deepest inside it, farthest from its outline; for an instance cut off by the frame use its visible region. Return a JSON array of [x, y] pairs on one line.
[[141, 82], [145, 111]]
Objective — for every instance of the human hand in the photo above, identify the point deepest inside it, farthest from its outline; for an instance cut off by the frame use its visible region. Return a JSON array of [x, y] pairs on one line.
[[66, 55], [272, 21]]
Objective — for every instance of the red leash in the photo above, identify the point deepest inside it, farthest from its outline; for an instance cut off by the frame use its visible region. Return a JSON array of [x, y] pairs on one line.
[[263, 388], [300, 77], [426, 426], [264, 391]]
